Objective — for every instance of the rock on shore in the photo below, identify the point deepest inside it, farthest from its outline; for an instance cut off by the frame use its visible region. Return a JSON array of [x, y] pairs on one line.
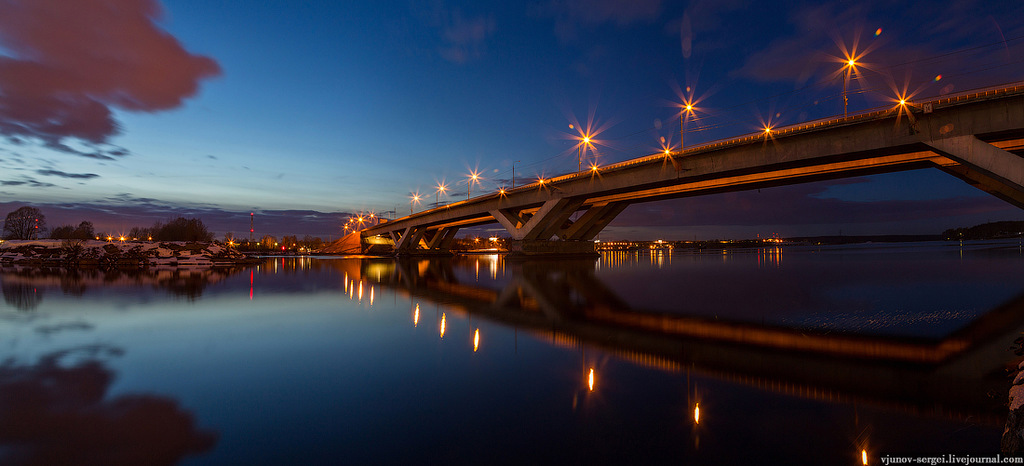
[[91, 253], [1013, 435]]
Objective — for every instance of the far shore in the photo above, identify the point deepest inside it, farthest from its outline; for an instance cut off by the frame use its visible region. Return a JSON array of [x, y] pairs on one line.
[[117, 254]]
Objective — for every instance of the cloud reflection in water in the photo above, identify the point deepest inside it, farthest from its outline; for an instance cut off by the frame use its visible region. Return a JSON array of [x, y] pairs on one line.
[[57, 411]]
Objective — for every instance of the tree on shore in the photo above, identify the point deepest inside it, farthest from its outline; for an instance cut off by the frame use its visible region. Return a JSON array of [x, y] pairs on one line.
[[83, 231], [991, 230], [311, 242], [182, 229], [179, 229], [25, 223], [141, 233]]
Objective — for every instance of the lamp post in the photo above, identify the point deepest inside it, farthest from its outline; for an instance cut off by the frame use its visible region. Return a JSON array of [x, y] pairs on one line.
[[581, 151], [441, 187], [514, 174], [415, 200], [687, 111], [474, 177], [846, 77]]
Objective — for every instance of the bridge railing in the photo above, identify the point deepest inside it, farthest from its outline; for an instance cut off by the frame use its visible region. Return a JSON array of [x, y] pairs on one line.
[[868, 114]]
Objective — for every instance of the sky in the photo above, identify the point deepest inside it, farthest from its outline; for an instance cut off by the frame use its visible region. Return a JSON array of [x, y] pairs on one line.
[[129, 112]]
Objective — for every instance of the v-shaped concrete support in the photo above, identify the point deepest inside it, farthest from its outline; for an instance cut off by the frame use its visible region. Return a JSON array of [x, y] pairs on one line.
[[988, 167], [553, 219], [591, 223], [410, 239], [442, 238], [537, 224]]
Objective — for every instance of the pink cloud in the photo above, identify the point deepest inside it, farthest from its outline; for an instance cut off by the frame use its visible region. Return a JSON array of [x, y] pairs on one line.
[[68, 63]]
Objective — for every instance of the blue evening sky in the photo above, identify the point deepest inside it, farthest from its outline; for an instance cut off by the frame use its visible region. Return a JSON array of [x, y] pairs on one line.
[[322, 109]]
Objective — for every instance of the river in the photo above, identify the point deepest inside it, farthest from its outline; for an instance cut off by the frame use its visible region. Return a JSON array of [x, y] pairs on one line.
[[798, 354]]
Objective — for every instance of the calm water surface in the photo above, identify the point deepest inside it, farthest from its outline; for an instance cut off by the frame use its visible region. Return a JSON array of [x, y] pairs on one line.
[[794, 355]]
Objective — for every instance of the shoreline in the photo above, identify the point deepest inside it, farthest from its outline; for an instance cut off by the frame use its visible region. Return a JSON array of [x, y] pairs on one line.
[[128, 254]]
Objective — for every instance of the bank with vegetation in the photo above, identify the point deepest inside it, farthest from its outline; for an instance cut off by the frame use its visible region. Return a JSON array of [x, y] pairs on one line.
[[74, 253]]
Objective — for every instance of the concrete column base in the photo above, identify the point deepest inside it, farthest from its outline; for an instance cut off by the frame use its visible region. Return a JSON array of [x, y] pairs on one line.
[[533, 248]]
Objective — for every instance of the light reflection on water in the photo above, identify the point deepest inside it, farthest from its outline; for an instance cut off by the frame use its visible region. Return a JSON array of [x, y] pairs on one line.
[[809, 360]]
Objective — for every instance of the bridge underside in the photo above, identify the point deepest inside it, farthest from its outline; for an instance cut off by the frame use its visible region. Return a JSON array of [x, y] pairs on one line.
[[981, 144]]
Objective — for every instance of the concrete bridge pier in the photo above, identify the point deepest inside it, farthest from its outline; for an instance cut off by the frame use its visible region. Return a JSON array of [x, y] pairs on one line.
[[420, 241], [532, 248], [532, 233]]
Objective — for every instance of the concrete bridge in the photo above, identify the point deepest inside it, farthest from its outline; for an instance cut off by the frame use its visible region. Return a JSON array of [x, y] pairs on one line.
[[977, 137]]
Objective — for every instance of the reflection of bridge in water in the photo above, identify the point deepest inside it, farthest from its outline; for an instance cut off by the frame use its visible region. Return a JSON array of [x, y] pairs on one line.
[[962, 375]]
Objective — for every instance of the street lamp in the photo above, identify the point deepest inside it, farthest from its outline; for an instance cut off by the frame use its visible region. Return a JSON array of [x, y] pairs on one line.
[[415, 200], [582, 149], [686, 112], [441, 187], [474, 177], [903, 106], [514, 174], [850, 64]]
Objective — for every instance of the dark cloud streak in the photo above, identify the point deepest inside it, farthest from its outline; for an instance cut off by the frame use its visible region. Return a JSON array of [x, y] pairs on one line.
[[27, 182], [76, 176]]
